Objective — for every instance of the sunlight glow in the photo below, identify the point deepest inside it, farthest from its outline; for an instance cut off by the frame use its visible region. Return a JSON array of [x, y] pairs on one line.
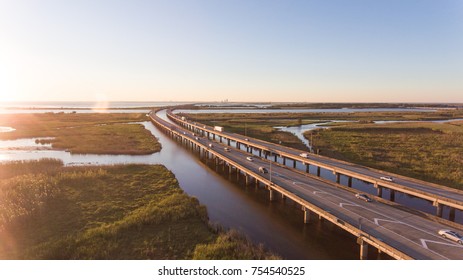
[[101, 104], [4, 157]]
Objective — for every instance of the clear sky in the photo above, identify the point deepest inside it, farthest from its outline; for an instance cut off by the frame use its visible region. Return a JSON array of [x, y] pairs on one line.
[[240, 50]]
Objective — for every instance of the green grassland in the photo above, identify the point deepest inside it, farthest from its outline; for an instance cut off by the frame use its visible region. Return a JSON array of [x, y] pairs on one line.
[[85, 133], [427, 151], [120, 212]]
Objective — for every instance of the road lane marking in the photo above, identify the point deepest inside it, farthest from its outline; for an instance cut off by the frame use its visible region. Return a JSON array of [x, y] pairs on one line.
[[424, 241], [368, 220], [349, 204]]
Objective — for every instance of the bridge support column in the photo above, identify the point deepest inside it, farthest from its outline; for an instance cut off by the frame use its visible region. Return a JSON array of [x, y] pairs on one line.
[[307, 167], [220, 138], [439, 208], [284, 161], [379, 191], [275, 158], [247, 179], [349, 182], [392, 197], [271, 194], [306, 216], [452, 214], [363, 250], [228, 141], [338, 178], [294, 164], [260, 153], [247, 149], [318, 171]]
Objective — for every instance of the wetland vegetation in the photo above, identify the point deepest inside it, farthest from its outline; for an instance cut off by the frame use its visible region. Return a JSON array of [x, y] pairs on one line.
[[111, 212], [429, 151], [84, 133]]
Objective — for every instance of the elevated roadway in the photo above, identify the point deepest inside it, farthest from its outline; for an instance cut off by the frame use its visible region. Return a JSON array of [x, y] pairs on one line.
[[439, 195], [385, 226]]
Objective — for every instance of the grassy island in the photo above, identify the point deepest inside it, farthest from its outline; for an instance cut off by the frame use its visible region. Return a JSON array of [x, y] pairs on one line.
[[85, 133]]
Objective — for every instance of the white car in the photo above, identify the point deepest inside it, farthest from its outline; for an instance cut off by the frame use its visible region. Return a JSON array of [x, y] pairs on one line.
[[210, 145], [249, 158], [451, 235], [304, 155], [387, 178], [226, 149]]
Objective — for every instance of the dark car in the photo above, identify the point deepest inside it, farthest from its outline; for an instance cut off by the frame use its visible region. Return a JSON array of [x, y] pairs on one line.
[[363, 197]]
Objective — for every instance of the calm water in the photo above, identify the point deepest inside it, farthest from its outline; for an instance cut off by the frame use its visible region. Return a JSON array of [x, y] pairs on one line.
[[300, 129], [81, 107], [342, 110], [85, 105], [6, 129]]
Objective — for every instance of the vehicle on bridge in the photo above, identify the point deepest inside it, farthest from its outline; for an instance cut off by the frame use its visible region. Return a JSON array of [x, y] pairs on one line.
[[250, 158], [304, 155], [263, 169], [226, 149], [363, 197], [210, 145], [218, 128], [451, 235], [387, 178]]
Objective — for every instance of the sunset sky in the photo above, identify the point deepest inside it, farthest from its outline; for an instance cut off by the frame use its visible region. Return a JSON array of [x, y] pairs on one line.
[[240, 50]]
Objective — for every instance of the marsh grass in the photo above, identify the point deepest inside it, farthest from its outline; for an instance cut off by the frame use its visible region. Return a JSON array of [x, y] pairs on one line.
[[111, 212], [427, 151], [85, 133]]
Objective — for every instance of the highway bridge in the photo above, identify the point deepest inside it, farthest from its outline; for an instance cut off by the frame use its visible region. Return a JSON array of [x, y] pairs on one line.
[[384, 225], [440, 196]]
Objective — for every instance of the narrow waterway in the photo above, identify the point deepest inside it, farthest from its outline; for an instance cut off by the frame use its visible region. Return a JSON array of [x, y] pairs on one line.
[[278, 225]]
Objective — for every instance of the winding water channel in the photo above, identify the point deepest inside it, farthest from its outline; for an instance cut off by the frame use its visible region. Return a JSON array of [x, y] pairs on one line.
[[278, 225]]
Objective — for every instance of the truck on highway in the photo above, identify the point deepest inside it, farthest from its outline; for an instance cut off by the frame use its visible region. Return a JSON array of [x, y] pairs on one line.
[[218, 128]]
